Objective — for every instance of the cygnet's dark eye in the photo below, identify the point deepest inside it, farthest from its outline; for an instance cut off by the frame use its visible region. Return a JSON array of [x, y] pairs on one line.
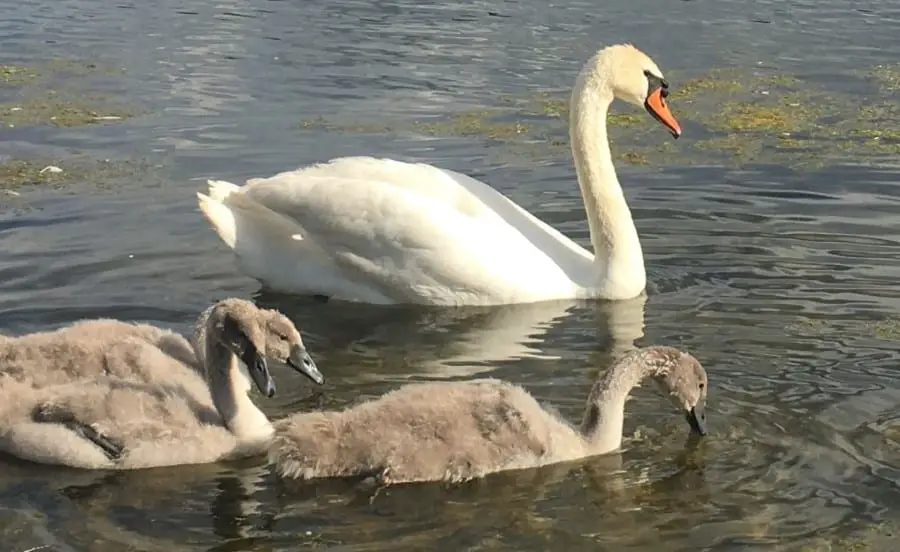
[[702, 385]]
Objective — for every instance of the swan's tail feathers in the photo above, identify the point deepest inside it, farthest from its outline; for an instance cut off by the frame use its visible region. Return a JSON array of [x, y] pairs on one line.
[[219, 189], [220, 217]]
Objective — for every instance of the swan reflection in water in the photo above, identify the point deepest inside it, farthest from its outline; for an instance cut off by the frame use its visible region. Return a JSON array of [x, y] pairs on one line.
[[362, 343]]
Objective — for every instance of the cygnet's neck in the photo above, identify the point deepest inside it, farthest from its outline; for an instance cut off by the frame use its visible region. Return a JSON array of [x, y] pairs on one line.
[[604, 416], [618, 259], [229, 385]]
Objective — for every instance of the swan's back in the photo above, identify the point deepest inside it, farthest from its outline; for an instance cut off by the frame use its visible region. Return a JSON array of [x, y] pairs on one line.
[[371, 173], [92, 348], [384, 231], [424, 432]]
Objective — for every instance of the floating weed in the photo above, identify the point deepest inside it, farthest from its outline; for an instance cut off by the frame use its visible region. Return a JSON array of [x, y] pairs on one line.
[[55, 173], [722, 80], [756, 116], [17, 74], [887, 329], [20, 75], [729, 82], [732, 144], [879, 122], [319, 123], [472, 123], [888, 76], [811, 325], [56, 111], [634, 158], [72, 66], [784, 117], [16, 173], [555, 107], [877, 537], [476, 122], [617, 118]]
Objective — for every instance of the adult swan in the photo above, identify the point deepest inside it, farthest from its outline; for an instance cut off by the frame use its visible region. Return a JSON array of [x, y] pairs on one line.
[[383, 231]]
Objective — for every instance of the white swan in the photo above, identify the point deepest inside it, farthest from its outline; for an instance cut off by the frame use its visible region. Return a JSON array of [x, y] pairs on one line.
[[383, 231]]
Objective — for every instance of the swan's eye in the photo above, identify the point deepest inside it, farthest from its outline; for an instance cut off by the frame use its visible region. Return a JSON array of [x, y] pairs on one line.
[[702, 385], [654, 82]]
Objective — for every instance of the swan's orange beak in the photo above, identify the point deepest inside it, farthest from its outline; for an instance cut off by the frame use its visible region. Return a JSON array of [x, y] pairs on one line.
[[657, 106]]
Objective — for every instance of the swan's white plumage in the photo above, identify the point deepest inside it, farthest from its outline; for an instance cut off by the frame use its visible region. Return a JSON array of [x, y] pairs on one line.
[[384, 231]]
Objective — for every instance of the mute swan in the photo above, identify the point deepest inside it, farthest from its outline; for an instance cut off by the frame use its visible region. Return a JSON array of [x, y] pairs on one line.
[[464, 430], [384, 231], [152, 409]]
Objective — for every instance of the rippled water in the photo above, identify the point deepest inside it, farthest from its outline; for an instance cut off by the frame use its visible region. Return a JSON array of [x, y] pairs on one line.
[[781, 281]]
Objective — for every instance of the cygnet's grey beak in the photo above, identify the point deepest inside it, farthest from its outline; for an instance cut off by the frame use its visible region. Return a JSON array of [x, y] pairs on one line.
[[696, 417], [259, 371], [303, 363]]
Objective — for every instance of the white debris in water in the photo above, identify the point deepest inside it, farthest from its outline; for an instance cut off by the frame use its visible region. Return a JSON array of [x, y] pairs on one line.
[[16, 109], [107, 118], [50, 168]]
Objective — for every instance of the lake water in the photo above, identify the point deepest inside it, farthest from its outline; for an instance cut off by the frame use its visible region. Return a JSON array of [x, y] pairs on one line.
[[781, 278]]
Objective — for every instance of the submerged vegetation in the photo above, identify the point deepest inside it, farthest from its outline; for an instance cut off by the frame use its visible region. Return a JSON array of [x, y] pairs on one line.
[[880, 537], [17, 75], [60, 93], [761, 117], [56, 92], [58, 173], [56, 111]]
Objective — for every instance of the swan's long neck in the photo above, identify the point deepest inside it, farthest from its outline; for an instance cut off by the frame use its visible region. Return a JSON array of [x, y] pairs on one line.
[[618, 259], [604, 415], [229, 385]]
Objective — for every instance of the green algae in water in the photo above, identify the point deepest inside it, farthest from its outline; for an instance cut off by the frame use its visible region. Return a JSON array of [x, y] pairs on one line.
[[17, 173], [790, 113], [756, 116], [888, 76], [72, 66], [878, 537], [815, 325], [728, 82], [476, 122], [553, 107], [616, 119], [21, 75], [715, 80], [887, 330], [60, 112], [99, 174], [732, 144], [17, 74], [634, 158]]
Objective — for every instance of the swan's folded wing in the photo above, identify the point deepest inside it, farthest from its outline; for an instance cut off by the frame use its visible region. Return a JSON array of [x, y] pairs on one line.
[[416, 230]]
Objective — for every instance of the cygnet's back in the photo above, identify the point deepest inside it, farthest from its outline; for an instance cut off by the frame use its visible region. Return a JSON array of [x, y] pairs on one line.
[[431, 431], [90, 348], [463, 430]]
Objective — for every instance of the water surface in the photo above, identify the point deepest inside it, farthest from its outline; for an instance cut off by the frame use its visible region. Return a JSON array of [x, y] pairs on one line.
[[781, 280]]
